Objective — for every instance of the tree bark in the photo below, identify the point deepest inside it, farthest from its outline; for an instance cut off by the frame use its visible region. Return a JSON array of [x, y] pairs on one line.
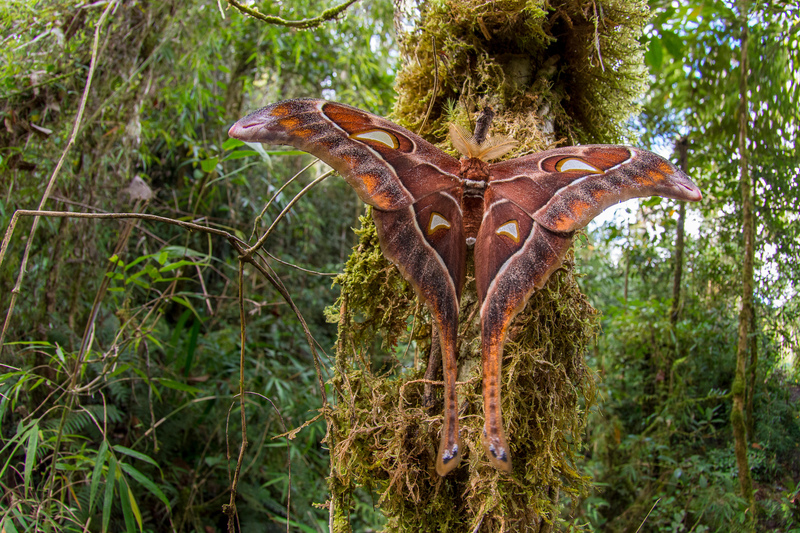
[[746, 312], [683, 148], [751, 378]]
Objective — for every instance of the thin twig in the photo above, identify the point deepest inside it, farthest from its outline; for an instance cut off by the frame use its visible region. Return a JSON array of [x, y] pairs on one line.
[[277, 193], [304, 24], [301, 269], [286, 209], [435, 85], [230, 509], [648, 514]]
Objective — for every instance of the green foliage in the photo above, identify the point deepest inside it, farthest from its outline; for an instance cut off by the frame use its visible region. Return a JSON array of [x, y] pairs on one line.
[[116, 416], [696, 94], [661, 436]]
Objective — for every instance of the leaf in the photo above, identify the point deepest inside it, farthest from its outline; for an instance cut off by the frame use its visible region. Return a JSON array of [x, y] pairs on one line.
[[22, 430], [209, 164], [30, 455], [7, 525], [652, 202], [177, 385], [99, 460], [240, 154], [231, 143], [655, 54], [108, 499], [135, 508], [136, 455], [128, 503], [145, 482], [176, 265]]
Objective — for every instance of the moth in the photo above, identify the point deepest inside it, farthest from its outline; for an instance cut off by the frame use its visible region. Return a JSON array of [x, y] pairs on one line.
[[519, 216]]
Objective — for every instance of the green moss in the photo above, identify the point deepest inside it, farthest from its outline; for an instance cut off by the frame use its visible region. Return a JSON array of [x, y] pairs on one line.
[[573, 66], [738, 387]]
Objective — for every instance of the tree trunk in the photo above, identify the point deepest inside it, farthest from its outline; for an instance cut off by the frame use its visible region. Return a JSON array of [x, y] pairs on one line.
[[746, 312], [565, 70], [683, 148], [751, 378]]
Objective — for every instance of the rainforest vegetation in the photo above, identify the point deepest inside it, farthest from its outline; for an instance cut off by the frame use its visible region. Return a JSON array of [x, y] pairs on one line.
[[143, 341]]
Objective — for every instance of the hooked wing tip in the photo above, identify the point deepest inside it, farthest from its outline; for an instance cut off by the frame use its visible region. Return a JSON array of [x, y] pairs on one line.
[[686, 189], [692, 192], [247, 128]]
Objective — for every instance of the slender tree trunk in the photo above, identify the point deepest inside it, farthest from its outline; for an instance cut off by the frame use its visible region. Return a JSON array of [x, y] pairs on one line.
[[751, 378], [746, 313], [683, 148]]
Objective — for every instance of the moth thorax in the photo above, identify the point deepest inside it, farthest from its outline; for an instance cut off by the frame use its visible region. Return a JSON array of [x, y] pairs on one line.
[[475, 174], [474, 170]]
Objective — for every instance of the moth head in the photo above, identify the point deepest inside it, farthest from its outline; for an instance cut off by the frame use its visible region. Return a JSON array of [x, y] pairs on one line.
[[491, 148]]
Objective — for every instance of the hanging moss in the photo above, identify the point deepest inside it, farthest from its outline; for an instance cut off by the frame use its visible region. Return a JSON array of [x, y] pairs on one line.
[[576, 66], [553, 72]]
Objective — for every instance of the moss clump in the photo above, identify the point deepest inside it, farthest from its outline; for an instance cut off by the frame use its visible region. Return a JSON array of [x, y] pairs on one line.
[[554, 70]]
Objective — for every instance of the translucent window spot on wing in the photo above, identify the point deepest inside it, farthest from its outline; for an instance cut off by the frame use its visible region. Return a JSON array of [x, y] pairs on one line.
[[381, 136], [437, 222], [573, 164], [510, 229]]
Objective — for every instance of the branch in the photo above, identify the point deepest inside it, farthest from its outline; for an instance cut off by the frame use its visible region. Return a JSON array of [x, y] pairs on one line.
[[304, 24]]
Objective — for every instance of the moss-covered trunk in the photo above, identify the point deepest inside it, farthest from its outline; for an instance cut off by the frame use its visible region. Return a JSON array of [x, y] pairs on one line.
[[556, 73], [746, 313]]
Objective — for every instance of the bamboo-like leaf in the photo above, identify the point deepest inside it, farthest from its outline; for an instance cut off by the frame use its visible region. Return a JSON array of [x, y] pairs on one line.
[[22, 430], [108, 499], [137, 514], [177, 264], [177, 385], [136, 455], [99, 461], [7, 525], [30, 455], [146, 482], [125, 499]]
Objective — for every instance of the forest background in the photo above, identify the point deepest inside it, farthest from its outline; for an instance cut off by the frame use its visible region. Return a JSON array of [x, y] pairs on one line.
[[121, 359]]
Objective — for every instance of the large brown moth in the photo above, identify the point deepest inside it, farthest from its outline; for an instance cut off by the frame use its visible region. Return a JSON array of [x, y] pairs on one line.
[[429, 207]]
